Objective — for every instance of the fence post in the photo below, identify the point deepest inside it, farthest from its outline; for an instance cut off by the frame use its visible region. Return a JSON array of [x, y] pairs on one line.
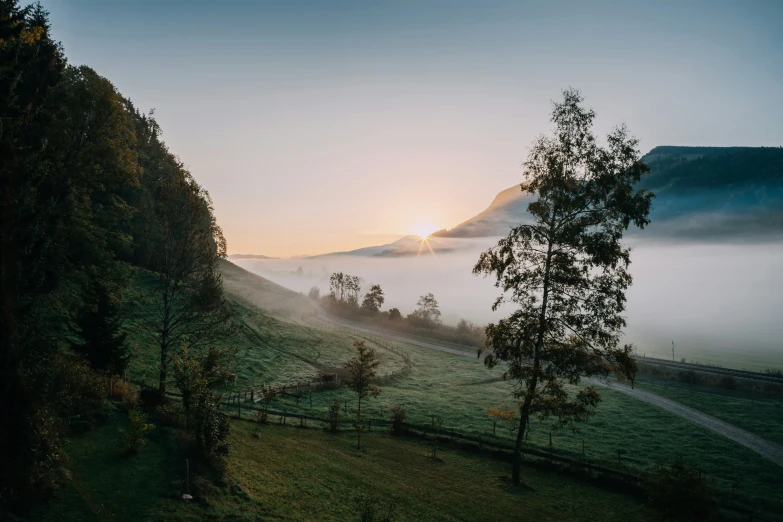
[[494, 424], [550, 438], [252, 395], [345, 407], [583, 447], [311, 398], [369, 426], [111, 386], [619, 460], [187, 476], [239, 409]]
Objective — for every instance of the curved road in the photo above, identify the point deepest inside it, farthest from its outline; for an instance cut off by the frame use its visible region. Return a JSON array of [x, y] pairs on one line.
[[767, 449]]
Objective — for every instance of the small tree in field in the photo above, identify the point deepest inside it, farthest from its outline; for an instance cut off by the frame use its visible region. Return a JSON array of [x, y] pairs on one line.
[[427, 311], [373, 300], [566, 269], [363, 369]]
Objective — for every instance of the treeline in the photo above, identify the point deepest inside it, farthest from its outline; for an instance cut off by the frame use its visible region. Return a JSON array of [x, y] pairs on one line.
[[89, 194], [345, 300]]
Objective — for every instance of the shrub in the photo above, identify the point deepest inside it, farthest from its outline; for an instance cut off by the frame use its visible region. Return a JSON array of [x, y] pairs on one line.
[[727, 382], [397, 415], [334, 415], [679, 491], [151, 398], [210, 427], [134, 437]]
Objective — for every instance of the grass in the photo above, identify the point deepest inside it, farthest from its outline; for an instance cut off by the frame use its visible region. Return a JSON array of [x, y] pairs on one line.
[[286, 473], [284, 341], [104, 483], [757, 414]]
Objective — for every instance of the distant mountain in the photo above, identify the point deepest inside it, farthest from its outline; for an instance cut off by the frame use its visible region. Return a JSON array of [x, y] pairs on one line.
[[250, 256], [375, 250], [701, 192]]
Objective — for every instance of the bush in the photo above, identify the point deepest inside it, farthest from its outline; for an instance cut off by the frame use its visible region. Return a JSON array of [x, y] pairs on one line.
[[727, 382], [151, 399], [679, 491], [134, 437], [334, 415], [210, 427], [397, 415]]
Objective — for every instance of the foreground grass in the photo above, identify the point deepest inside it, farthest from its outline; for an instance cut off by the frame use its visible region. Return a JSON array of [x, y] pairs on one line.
[[287, 473]]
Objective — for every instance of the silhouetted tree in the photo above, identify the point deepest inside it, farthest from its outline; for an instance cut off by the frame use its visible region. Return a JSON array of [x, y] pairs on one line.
[[566, 271], [98, 326], [363, 375], [373, 300], [189, 307], [428, 311]]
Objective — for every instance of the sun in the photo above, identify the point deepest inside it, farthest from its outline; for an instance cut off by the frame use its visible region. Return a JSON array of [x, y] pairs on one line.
[[424, 231]]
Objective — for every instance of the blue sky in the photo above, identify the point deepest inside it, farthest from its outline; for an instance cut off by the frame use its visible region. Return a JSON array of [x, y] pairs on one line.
[[325, 126]]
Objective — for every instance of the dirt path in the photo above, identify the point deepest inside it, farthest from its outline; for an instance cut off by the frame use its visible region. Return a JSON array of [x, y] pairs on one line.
[[767, 449]]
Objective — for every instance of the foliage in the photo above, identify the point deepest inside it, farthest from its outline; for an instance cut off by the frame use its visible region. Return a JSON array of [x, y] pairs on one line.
[[373, 300], [98, 326], [134, 437], [190, 307], [363, 369], [268, 394], [314, 293], [394, 314], [566, 271], [428, 311], [333, 414], [190, 378], [209, 426], [345, 288], [680, 491], [437, 426], [397, 416]]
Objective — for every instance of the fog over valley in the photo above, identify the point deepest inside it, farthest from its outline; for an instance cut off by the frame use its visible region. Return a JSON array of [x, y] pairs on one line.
[[718, 302]]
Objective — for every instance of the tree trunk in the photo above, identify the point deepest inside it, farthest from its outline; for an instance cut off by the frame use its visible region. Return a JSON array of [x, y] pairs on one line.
[[524, 413], [163, 372]]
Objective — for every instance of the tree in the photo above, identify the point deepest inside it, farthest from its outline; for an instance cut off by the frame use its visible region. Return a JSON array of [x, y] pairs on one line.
[[315, 293], [566, 270], [373, 300], [395, 314], [337, 285], [363, 374], [187, 291], [428, 311], [66, 165], [98, 326]]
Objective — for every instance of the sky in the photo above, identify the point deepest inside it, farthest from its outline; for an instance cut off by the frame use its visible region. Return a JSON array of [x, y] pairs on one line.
[[325, 127]]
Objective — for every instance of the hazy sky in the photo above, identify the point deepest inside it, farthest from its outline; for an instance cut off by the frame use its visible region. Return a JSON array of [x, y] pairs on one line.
[[322, 127]]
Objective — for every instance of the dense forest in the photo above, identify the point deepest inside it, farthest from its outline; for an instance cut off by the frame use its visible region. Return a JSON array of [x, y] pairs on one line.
[[90, 195]]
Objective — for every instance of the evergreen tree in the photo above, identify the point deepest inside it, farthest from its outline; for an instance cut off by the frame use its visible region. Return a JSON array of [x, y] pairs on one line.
[[98, 326]]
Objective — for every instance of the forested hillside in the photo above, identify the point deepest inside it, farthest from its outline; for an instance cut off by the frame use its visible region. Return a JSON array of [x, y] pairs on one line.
[[89, 192]]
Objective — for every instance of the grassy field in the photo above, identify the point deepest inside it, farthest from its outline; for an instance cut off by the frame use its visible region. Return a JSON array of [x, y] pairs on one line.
[[286, 473], [284, 341], [754, 413]]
